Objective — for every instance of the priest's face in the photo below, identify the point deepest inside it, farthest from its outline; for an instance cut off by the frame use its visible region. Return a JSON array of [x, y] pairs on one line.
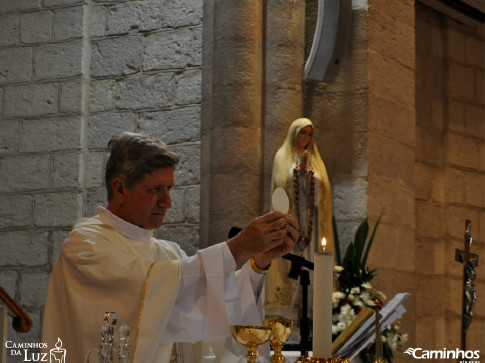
[[146, 203]]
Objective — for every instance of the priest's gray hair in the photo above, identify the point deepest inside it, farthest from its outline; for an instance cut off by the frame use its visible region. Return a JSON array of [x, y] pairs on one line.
[[134, 155]]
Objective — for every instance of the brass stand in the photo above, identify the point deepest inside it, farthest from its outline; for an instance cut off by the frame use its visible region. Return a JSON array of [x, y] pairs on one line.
[[305, 359]]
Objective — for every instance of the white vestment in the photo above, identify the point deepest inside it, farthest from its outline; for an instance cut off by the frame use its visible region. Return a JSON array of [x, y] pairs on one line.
[[109, 265]]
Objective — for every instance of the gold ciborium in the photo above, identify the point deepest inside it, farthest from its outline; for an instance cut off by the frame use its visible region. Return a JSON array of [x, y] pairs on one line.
[[251, 336], [280, 333]]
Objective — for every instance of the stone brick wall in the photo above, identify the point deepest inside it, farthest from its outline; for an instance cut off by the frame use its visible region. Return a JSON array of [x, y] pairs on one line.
[[450, 174], [72, 74]]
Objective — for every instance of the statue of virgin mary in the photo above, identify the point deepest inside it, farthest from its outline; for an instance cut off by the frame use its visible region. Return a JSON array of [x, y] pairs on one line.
[[299, 169]]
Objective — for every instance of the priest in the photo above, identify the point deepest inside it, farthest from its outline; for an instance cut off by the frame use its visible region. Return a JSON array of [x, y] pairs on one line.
[[112, 263]]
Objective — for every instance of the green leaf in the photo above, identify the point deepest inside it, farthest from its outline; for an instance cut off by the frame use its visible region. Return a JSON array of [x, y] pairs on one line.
[[371, 240], [338, 257], [360, 241]]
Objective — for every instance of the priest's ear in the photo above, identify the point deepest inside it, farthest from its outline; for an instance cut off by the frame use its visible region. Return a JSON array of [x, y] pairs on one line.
[[119, 189]]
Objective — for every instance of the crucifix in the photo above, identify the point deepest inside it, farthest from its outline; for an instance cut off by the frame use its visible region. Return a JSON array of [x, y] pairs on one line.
[[469, 261]]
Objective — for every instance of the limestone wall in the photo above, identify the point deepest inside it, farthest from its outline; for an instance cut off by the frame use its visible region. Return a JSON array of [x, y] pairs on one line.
[[401, 131], [449, 174], [72, 74]]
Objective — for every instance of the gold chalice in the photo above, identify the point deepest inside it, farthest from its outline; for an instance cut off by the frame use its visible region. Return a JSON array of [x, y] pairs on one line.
[[251, 336], [280, 333]]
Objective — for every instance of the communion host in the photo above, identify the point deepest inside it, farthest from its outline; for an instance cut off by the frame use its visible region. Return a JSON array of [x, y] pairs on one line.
[[112, 263]]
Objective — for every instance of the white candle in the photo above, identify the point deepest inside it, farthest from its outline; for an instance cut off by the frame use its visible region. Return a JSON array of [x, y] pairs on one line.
[[322, 303]]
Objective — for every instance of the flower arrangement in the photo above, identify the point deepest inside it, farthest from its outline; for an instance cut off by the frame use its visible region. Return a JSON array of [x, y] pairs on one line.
[[354, 292]]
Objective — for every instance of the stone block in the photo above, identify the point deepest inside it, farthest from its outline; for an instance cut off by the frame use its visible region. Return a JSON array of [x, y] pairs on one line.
[[389, 239], [168, 50], [66, 170], [25, 248], [36, 27], [461, 151], [115, 56], [132, 16], [95, 197], [95, 167], [70, 96], [98, 21], [49, 3], [461, 81], [397, 10], [430, 256], [481, 227], [16, 65], [429, 146], [7, 6], [145, 92], [102, 95], [455, 217], [436, 41], [481, 156], [172, 126], [68, 23], [475, 333], [177, 214], [188, 87], [103, 126], [33, 288], [176, 14], [9, 29], [8, 280], [9, 138], [391, 159], [24, 172], [480, 89], [473, 120], [15, 211], [197, 53], [30, 100], [391, 119], [58, 238], [453, 185], [474, 189], [475, 52], [52, 134], [456, 116], [52, 61], [425, 189], [349, 198], [388, 78], [244, 151], [428, 289], [392, 200], [107, 1], [429, 217], [393, 39], [193, 204], [186, 235], [188, 169], [59, 209], [456, 45]]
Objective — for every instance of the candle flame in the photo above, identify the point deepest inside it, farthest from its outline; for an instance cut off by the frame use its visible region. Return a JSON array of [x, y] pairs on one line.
[[59, 343], [323, 244]]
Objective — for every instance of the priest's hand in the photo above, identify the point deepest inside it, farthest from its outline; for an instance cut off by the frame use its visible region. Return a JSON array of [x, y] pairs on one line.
[[263, 259], [265, 238]]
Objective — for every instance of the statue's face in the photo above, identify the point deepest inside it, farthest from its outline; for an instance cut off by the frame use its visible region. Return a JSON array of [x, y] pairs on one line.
[[304, 138]]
